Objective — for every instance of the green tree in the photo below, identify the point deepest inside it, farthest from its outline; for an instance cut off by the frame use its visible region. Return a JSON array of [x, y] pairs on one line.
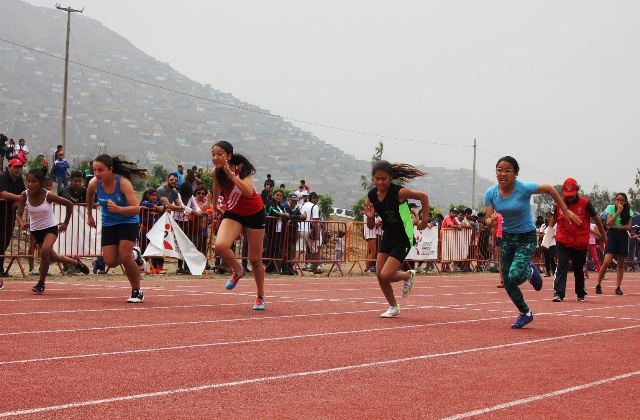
[[325, 203], [634, 196], [599, 198], [366, 181], [160, 173], [36, 163], [207, 179], [357, 209]]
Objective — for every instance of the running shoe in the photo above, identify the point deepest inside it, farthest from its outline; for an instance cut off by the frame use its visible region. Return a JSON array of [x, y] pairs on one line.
[[407, 285], [619, 292], [391, 312], [557, 297], [33, 272], [235, 277], [137, 256], [523, 319], [80, 265], [1, 284], [259, 306], [535, 279], [38, 288], [580, 299], [598, 289], [136, 297]]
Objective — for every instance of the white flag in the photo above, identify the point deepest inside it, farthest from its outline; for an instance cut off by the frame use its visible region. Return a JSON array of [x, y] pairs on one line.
[[166, 239]]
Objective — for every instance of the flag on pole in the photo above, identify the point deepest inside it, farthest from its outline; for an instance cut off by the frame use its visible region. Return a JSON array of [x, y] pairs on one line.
[[166, 239]]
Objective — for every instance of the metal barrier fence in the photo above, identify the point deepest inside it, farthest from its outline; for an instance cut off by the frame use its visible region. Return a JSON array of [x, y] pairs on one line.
[[288, 245]]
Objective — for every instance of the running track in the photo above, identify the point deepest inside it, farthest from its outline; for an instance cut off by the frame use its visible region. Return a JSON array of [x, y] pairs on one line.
[[318, 351]]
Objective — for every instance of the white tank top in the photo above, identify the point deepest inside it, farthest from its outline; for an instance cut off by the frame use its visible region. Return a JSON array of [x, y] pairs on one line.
[[41, 217]]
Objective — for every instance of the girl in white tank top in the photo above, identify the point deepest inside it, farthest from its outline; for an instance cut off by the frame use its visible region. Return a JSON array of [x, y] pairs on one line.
[[43, 225]]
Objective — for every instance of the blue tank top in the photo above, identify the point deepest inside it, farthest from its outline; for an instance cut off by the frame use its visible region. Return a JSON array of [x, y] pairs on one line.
[[111, 219]]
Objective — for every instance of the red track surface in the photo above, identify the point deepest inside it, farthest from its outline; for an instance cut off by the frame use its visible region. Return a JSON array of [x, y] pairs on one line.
[[319, 350]]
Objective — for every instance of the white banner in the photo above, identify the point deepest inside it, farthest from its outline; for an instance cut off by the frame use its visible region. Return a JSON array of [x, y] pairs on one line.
[[426, 246], [455, 244], [79, 239], [166, 239]]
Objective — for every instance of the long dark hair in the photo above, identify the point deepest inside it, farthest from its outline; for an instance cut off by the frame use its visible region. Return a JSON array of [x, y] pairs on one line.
[[624, 216], [401, 171], [237, 159], [186, 192], [122, 167]]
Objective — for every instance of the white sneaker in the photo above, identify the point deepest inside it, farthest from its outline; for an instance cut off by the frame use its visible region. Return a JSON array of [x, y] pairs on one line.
[[391, 312], [407, 285], [136, 297]]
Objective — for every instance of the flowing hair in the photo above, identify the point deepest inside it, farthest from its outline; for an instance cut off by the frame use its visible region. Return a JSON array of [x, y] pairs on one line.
[[624, 216], [122, 167], [237, 159], [401, 171]]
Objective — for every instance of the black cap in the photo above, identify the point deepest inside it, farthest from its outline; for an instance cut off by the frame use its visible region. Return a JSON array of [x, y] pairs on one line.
[[293, 197], [313, 195]]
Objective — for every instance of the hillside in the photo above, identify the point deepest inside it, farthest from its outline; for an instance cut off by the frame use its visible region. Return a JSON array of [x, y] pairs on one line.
[[124, 102]]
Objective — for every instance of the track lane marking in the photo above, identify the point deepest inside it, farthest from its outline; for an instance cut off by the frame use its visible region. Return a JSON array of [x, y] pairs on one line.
[[335, 370], [541, 397]]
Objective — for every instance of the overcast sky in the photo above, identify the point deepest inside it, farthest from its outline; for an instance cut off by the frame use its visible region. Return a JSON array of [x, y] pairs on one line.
[[555, 84]]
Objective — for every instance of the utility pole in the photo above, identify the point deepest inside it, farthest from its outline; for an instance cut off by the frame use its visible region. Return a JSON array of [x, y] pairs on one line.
[[473, 180], [66, 74]]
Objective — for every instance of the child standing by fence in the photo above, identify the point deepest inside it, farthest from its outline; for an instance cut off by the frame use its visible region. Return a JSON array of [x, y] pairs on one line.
[[43, 225]]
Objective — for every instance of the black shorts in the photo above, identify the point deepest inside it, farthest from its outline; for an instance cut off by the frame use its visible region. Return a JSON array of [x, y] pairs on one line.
[[38, 235], [112, 235], [253, 221], [398, 251], [617, 242]]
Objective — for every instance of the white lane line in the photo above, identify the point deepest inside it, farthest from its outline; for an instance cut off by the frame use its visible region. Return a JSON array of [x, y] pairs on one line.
[[541, 397], [309, 373], [291, 337]]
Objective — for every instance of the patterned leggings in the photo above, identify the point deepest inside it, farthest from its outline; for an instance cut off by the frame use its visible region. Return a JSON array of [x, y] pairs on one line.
[[516, 254]]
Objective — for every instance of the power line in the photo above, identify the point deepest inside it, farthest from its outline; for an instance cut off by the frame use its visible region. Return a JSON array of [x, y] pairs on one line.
[[257, 111]]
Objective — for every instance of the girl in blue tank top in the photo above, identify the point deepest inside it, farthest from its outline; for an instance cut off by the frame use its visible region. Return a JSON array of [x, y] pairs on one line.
[[120, 215]]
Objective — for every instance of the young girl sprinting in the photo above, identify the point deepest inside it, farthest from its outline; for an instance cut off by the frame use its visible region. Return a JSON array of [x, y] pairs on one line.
[[43, 225]]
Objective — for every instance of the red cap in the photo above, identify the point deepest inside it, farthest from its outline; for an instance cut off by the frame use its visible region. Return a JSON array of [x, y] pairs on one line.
[[15, 162], [570, 187]]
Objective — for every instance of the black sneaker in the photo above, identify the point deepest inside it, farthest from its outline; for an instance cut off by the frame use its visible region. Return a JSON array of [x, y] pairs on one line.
[[557, 297], [136, 297], [619, 292], [38, 288], [598, 289], [84, 269], [580, 299], [137, 256]]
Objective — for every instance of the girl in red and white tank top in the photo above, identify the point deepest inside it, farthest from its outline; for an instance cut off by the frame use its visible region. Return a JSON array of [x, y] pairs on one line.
[[244, 210]]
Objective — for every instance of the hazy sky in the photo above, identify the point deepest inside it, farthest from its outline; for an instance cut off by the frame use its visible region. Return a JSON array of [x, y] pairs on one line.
[[555, 84]]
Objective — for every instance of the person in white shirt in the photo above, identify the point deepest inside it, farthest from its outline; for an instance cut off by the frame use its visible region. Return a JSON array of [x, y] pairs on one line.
[[21, 147], [309, 233]]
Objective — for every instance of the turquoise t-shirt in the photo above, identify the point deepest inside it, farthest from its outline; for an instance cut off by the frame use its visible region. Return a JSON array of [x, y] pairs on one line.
[[515, 209], [611, 209]]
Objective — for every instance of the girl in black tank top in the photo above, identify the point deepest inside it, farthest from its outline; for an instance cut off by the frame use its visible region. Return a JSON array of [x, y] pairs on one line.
[[390, 202]]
